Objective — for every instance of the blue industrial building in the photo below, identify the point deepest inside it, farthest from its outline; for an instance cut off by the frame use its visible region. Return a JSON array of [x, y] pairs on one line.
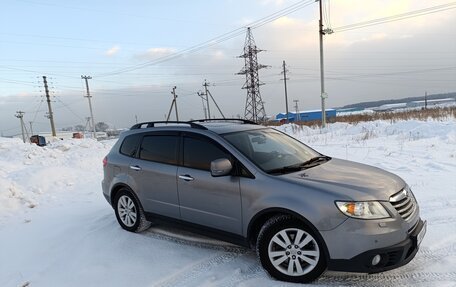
[[306, 116]]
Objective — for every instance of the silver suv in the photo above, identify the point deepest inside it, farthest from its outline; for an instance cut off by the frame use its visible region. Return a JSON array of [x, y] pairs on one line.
[[244, 183]]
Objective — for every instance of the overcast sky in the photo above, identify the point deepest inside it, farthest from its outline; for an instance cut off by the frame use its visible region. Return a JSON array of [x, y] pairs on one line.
[[116, 43]]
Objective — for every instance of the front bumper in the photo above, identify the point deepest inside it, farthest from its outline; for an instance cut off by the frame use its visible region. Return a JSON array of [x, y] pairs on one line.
[[391, 257]]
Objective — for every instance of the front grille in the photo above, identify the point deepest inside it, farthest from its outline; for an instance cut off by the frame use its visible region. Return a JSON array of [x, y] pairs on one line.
[[404, 203], [393, 257]]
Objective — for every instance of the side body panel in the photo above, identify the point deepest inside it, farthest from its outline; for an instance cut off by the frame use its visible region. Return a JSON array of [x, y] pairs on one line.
[[211, 201], [156, 187]]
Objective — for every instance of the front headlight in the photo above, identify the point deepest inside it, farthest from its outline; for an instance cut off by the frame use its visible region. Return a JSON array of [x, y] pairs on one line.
[[363, 210]]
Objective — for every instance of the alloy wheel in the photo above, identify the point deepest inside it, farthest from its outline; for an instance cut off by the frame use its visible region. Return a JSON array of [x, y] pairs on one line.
[[127, 210], [293, 252]]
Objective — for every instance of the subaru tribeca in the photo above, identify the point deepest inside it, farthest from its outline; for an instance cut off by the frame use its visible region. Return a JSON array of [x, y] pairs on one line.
[[251, 185]]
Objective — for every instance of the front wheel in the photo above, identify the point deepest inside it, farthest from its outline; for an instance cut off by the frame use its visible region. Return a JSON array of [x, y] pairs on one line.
[[289, 250], [129, 212]]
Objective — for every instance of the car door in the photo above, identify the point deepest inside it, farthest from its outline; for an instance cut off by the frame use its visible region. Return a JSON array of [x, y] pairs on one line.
[[155, 171], [211, 201]]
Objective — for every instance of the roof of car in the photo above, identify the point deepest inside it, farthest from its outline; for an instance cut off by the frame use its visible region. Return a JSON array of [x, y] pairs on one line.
[[229, 127], [219, 126]]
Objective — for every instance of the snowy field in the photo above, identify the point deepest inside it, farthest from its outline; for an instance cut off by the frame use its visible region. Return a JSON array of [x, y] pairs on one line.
[[56, 229]]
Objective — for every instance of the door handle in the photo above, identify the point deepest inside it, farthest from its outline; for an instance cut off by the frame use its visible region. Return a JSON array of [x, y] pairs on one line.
[[135, 167], [186, 177]]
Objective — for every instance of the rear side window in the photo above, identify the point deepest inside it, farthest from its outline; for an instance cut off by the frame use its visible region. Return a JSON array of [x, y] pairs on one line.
[[130, 145], [198, 153], [160, 148]]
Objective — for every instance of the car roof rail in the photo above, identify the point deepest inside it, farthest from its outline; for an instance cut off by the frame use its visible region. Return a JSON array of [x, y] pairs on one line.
[[243, 121], [164, 123]]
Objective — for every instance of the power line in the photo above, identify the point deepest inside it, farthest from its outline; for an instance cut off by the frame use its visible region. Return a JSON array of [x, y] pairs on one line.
[[35, 72], [326, 14], [37, 110], [398, 17], [71, 110], [24, 83], [216, 40]]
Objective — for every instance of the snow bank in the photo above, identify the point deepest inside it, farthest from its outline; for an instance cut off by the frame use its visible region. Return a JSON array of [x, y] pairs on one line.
[[30, 174]]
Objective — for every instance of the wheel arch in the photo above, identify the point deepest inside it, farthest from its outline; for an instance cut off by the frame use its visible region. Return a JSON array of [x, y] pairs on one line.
[[259, 219], [116, 188]]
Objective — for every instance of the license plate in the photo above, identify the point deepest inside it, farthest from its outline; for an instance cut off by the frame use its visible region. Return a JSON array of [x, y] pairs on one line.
[[420, 236]]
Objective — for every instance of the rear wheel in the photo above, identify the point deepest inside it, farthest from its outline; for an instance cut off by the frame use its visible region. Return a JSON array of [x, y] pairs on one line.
[[289, 250], [129, 212]]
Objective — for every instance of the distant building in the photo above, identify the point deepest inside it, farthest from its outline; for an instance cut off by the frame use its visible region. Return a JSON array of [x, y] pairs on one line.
[[416, 104], [353, 111], [390, 107], [306, 116]]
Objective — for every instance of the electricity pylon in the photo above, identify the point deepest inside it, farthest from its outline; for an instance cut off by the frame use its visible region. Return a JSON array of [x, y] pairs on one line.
[[254, 108]]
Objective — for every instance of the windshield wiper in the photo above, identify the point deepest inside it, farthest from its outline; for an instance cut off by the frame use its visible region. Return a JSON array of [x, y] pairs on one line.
[[300, 166], [285, 169], [315, 161]]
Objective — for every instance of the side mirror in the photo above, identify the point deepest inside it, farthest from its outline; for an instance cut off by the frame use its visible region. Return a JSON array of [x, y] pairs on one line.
[[221, 167]]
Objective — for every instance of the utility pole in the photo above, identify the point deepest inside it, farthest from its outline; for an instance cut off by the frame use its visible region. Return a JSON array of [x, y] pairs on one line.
[[48, 99], [136, 118], [207, 99], [285, 84], [86, 78], [322, 72], [425, 100], [298, 116], [208, 94], [203, 100], [173, 103], [31, 128], [86, 124], [20, 116]]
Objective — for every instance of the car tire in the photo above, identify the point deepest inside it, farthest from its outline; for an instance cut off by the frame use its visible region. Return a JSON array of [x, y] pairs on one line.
[[129, 212], [290, 251]]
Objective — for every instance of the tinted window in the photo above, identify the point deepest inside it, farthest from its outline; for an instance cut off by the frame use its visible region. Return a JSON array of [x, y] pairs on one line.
[[130, 145], [160, 149], [199, 153]]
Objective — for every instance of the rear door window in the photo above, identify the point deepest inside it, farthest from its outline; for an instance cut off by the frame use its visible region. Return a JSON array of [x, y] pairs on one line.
[[160, 148], [130, 145]]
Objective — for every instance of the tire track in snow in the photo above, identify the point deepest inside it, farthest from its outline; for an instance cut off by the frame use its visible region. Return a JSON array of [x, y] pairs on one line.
[[439, 220], [352, 279], [228, 253], [385, 279], [438, 204], [195, 271], [199, 268], [252, 271]]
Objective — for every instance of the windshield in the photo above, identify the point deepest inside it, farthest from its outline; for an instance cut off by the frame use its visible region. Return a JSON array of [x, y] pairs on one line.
[[271, 150]]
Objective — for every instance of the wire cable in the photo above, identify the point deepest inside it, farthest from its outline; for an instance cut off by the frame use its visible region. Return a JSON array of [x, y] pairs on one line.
[[398, 17], [216, 40]]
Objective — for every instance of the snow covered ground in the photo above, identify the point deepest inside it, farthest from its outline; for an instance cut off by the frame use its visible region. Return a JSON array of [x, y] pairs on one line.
[[56, 229]]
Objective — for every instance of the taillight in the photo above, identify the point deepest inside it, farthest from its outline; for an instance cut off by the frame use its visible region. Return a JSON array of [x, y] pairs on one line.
[[105, 161]]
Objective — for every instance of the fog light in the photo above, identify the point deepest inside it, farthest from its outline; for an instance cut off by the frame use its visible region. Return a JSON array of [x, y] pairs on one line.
[[376, 259]]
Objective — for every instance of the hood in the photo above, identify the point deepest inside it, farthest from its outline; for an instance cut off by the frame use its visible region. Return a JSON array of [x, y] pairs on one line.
[[349, 179]]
